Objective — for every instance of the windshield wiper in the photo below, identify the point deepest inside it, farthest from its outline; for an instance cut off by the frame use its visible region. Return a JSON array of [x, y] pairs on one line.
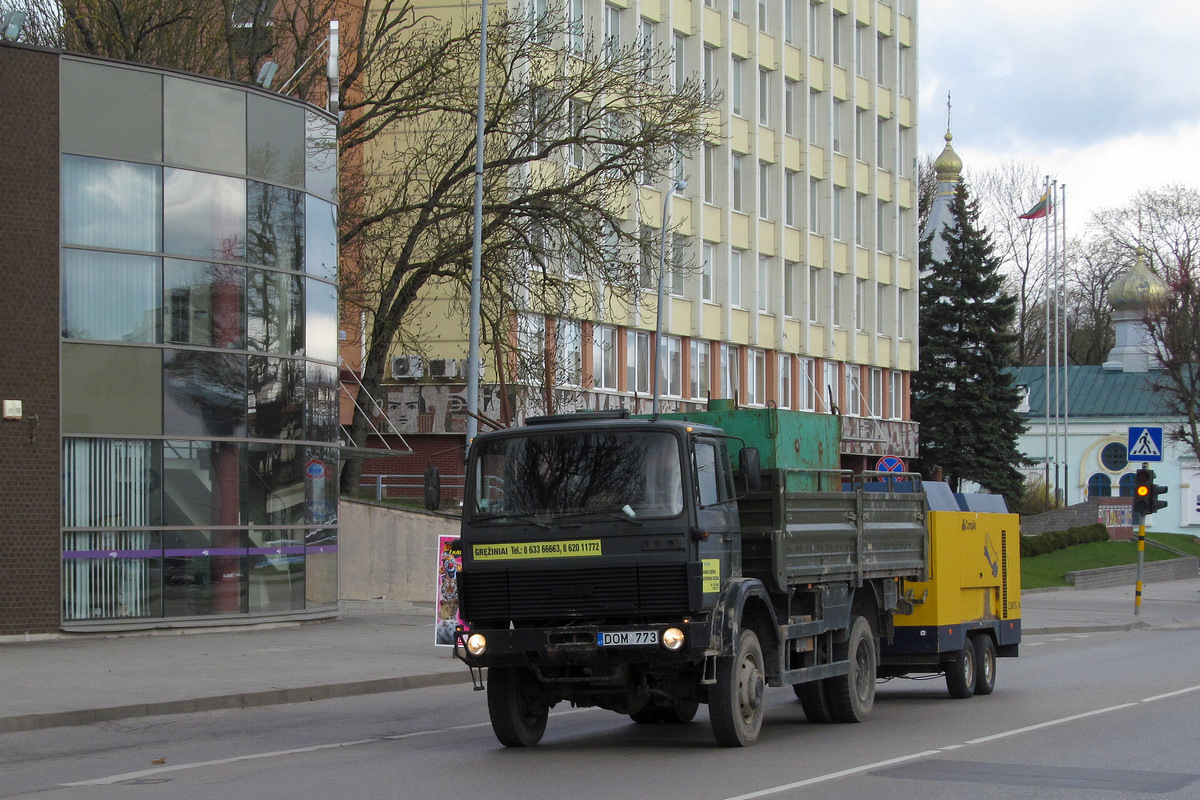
[[622, 515], [517, 517]]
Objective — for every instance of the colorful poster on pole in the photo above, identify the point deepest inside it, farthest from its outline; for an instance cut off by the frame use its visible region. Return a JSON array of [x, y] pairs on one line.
[[448, 566]]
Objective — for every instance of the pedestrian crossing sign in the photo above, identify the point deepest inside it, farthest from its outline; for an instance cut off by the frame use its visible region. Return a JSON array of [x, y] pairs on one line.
[[1145, 443]]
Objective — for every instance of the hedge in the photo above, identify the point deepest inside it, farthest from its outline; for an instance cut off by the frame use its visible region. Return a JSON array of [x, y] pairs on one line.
[[1050, 541]]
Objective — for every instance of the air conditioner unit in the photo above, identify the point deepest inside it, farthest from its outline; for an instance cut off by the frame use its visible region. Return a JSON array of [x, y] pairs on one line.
[[407, 367], [443, 368]]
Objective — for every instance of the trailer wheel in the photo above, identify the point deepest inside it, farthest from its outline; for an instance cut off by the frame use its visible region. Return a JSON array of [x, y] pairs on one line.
[[852, 696], [736, 702], [985, 665], [814, 699], [517, 712], [960, 672]]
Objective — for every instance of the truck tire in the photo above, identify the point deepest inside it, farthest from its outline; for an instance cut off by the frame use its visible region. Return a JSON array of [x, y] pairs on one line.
[[985, 665], [814, 699], [960, 672], [518, 714], [735, 705], [852, 696]]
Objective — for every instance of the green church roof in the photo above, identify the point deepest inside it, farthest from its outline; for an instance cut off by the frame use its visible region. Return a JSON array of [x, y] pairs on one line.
[[1093, 391]]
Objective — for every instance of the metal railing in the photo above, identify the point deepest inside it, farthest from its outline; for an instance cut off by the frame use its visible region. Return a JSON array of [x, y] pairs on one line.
[[411, 485]]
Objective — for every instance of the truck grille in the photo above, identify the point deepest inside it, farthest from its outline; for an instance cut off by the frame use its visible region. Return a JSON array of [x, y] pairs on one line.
[[582, 592]]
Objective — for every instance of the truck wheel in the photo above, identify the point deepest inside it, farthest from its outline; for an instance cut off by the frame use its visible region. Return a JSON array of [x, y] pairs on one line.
[[736, 702], [985, 665], [814, 699], [517, 712], [681, 711], [852, 696], [960, 672]]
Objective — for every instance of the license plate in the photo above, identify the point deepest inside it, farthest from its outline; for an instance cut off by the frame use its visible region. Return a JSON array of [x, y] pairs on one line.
[[614, 639]]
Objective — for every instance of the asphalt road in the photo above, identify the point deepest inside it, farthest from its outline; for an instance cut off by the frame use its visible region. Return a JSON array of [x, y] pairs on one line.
[[1114, 714]]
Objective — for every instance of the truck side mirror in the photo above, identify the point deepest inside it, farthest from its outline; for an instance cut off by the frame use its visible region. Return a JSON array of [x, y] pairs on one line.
[[748, 465], [433, 488]]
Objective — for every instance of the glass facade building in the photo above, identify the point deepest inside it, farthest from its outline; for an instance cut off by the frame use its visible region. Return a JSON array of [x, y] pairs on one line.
[[199, 374]]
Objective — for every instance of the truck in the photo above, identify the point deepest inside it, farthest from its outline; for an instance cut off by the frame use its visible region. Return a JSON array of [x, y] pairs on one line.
[[627, 564]]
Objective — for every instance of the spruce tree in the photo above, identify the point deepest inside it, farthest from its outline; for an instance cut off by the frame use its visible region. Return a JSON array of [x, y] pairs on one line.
[[961, 395]]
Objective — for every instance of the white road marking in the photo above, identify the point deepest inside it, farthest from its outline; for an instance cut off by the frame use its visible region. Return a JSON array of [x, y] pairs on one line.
[[831, 776], [216, 762], [127, 776]]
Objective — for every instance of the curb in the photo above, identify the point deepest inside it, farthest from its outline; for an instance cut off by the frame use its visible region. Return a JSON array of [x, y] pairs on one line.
[[1125, 626], [268, 697]]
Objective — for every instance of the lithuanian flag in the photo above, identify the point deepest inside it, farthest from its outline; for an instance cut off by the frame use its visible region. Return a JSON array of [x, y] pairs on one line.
[[1040, 209]]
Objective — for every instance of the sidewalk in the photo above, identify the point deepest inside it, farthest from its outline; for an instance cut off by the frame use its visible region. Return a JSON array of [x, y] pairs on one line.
[[81, 679]]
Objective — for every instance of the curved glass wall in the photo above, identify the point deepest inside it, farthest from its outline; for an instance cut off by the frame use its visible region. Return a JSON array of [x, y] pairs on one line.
[[199, 349]]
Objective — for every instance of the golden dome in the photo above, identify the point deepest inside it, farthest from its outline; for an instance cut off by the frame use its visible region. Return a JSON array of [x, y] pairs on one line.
[[948, 165], [1139, 288]]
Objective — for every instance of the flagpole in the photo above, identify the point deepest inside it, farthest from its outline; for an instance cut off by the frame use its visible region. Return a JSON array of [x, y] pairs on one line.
[[1053, 264], [1046, 194], [1066, 359]]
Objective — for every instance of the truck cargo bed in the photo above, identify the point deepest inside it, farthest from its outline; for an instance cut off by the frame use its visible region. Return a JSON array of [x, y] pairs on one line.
[[797, 537]]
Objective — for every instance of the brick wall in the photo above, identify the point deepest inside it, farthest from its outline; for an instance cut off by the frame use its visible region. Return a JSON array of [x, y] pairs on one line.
[[30, 474], [444, 451]]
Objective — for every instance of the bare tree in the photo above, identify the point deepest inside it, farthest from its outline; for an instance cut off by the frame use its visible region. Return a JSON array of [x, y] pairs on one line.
[[1174, 328], [1093, 264], [1164, 220], [1005, 193], [570, 133]]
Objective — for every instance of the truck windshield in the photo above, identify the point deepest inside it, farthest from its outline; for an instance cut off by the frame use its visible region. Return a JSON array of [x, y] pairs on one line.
[[636, 473]]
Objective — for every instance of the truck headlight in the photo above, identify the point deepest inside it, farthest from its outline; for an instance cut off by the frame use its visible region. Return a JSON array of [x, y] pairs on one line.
[[672, 638], [476, 644]]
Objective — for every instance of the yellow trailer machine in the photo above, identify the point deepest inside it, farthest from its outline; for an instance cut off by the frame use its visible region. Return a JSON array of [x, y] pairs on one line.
[[969, 611]]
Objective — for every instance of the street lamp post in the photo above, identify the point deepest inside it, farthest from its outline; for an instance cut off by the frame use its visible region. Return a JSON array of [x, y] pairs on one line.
[[678, 185]]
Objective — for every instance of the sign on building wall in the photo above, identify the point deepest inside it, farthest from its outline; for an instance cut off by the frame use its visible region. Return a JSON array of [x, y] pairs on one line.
[[449, 563]]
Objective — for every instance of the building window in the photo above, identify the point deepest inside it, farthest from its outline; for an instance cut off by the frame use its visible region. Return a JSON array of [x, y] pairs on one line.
[[861, 219], [638, 362], [764, 282], [706, 271], [1128, 484], [790, 179], [604, 357], [896, 395], [756, 377], [575, 26], [814, 295], [860, 50], [814, 205], [814, 130], [1099, 485], [764, 97], [647, 44], [807, 397], [860, 134], [839, 113], [839, 28], [860, 304], [699, 370], [735, 277], [791, 273], [829, 387], [839, 202], [679, 71], [783, 374], [612, 32], [730, 370], [875, 393], [735, 8], [882, 218], [853, 390], [710, 176], [838, 314], [789, 21], [739, 175], [814, 30], [789, 107], [1114, 456], [569, 343], [764, 190], [671, 377], [531, 348], [710, 70], [735, 88]]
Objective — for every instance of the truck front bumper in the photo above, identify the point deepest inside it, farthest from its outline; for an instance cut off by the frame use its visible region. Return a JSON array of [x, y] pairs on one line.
[[578, 648]]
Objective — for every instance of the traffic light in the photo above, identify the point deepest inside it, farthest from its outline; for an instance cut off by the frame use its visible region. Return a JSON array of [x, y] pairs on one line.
[[1146, 492]]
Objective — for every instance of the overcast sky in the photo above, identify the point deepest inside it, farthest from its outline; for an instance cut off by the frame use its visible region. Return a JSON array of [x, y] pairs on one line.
[[1100, 94]]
